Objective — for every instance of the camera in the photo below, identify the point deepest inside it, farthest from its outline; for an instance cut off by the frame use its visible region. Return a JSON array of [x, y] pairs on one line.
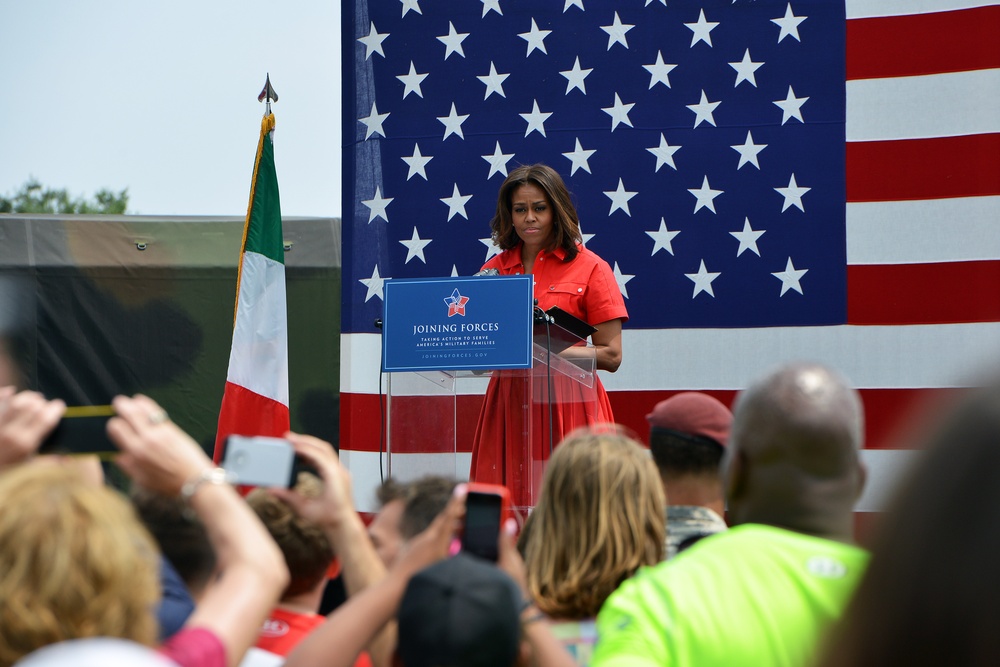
[[261, 461], [487, 507], [82, 430]]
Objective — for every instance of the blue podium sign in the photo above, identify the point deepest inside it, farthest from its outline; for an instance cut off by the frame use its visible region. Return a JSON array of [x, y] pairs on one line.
[[477, 323]]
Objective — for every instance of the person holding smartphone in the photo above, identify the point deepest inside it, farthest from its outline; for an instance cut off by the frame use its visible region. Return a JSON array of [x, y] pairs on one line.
[[538, 229]]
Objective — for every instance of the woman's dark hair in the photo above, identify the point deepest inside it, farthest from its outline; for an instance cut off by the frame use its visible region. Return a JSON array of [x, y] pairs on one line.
[[927, 597], [565, 222]]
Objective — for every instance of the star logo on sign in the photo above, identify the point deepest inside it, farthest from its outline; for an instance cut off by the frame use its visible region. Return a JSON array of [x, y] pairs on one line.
[[456, 304]]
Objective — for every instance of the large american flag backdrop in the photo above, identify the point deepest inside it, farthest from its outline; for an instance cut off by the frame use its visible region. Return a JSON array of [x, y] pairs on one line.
[[770, 181]]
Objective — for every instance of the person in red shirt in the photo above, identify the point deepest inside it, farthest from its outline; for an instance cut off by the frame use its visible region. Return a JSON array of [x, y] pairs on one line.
[[308, 554], [537, 228]]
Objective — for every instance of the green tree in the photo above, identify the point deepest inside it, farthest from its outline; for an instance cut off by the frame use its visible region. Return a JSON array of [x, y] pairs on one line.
[[32, 197]]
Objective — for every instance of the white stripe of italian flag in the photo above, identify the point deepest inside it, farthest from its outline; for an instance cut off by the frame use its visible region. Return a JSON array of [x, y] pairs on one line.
[[256, 396]]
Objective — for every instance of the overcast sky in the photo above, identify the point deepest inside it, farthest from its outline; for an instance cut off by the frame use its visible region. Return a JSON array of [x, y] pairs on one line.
[[161, 98]]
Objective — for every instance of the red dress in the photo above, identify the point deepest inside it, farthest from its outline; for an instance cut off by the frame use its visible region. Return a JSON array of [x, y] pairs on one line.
[[584, 287]]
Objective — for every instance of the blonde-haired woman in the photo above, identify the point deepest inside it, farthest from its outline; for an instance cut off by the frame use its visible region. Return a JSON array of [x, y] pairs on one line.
[[601, 515], [80, 538], [75, 562]]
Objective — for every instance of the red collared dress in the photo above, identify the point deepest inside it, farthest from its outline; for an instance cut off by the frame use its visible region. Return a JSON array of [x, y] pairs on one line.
[[585, 287]]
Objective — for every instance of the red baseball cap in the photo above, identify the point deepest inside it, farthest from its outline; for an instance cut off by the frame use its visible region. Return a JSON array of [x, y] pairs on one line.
[[693, 413]]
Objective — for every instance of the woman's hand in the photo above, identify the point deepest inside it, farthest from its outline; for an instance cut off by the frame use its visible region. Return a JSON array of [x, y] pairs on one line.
[[156, 453], [26, 418], [334, 505], [608, 345]]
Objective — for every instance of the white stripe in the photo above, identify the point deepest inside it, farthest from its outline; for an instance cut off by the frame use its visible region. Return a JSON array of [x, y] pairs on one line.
[[915, 107], [366, 475], [870, 356], [926, 231], [859, 9], [884, 467], [944, 355], [258, 360]]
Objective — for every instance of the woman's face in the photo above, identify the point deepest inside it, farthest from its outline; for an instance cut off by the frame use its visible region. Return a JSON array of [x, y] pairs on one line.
[[532, 215]]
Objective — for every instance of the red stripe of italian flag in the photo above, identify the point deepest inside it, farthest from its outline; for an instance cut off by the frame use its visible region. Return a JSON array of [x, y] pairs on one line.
[[256, 396]]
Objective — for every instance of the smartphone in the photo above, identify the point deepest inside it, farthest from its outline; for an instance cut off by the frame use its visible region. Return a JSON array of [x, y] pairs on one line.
[[487, 507], [261, 461], [82, 430]]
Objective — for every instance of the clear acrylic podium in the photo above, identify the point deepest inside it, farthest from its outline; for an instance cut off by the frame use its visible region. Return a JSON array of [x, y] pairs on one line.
[[431, 416]]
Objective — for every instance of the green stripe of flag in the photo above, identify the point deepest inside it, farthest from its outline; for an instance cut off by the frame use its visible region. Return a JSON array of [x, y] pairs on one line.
[[264, 229]]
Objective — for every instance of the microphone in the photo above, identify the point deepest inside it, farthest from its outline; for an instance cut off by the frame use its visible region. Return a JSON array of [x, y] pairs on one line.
[[487, 272], [541, 315]]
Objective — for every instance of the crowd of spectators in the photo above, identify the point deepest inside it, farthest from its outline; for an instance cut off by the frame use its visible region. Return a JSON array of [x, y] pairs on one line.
[[763, 568]]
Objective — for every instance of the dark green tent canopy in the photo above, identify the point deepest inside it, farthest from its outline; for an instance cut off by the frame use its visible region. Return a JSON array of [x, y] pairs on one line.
[[100, 305]]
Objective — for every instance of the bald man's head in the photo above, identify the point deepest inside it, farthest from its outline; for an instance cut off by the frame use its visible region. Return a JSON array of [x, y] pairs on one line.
[[793, 456]]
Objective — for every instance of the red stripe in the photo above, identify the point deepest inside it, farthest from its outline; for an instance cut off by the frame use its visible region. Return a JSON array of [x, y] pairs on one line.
[[424, 423], [923, 293], [887, 411], [955, 41], [247, 413], [965, 166]]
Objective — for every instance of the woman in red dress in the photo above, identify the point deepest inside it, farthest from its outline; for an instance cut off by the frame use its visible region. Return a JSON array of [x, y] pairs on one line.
[[537, 228]]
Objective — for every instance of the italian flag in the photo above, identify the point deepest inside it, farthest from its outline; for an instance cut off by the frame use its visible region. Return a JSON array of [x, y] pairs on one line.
[[256, 396]]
